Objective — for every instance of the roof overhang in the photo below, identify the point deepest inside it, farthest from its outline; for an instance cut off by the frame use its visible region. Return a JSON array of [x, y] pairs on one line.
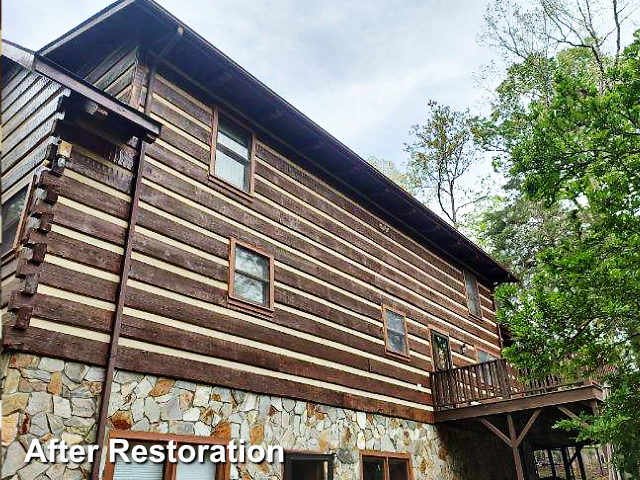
[[275, 119], [143, 126]]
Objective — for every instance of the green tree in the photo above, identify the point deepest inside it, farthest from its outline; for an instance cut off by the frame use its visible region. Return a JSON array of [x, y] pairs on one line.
[[580, 310], [397, 173], [565, 130], [442, 152]]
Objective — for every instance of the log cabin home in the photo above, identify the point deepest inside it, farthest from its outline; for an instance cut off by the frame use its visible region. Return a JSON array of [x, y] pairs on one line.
[[186, 256]]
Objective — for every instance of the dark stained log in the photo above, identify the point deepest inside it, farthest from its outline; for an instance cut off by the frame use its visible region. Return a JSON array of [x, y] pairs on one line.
[[198, 217], [94, 198], [72, 313], [183, 102], [72, 249], [157, 364], [183, 340], [78, 282], [188, 126], [89, 225], [110, 175], [54, 344], [187, 313]]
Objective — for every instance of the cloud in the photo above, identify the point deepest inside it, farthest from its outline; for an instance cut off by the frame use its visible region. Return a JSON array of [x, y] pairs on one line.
[[362, 70]]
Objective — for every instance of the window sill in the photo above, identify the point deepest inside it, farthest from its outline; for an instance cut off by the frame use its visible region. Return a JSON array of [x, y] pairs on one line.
[[475, 318], [398, 356], [248, 307], [9, 255], [228, 188]]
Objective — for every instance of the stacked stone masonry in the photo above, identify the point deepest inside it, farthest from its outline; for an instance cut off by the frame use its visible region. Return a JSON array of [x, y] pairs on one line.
[[46, 398]]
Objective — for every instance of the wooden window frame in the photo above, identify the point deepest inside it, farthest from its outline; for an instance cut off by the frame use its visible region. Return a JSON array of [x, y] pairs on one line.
[[241, 303], [215, 120], [466, 294], [163, 438], [386, 456], [433, 330], [291, 454], [404, 356], [15, 243]]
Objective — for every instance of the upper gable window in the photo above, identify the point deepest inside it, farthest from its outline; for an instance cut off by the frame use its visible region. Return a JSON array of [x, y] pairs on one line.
[[473, 295], [395, 332], [11, 214], [232, 153]]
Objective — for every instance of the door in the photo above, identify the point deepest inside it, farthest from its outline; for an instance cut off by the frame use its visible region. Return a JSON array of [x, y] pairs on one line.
[[441, 351]]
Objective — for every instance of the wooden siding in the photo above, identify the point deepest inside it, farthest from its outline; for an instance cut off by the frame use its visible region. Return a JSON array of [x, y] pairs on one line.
[[115, 72], [31, 111], [335, 265]]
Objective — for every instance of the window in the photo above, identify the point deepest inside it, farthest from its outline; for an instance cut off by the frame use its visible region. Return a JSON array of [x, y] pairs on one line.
[[441, 351], [386, 466], [11, 215], [395, 332], [487, 372], [300, 466], [473, 296], [485, 357], [232, 153], [149, 470], [251, 276]]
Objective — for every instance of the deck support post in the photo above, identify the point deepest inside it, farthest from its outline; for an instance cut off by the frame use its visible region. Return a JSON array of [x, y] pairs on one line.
[[583, 474], [514, 447], [552, 462], [514, 440], [568, 472]]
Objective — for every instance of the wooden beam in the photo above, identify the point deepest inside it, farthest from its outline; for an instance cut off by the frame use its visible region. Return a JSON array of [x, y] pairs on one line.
[[514, 447], [567, 467], [552, 463], [567, 412], [583, 474], [495, 430], [570, 414], [579, 394], [528, 426]]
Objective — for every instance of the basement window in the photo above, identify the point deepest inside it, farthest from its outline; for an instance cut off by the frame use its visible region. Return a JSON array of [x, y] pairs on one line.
[[251, 277], [395, 332], [164, 470], [302, 466], [232, 153], [386, 466], [473, 295]]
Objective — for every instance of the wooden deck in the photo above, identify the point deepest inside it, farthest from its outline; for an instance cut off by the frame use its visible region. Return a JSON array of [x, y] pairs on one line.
[[495, 387]]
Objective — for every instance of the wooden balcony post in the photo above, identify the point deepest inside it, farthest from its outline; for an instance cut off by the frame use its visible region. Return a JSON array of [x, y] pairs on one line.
[[552, 463], [503, 378], [583, 474]]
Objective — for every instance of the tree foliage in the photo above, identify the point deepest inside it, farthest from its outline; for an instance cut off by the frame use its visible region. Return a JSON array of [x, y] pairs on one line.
[[397, 173], [442, 152], [566, 128]]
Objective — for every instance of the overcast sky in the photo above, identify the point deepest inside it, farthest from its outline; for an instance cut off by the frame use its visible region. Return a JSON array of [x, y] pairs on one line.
[[363, 70]]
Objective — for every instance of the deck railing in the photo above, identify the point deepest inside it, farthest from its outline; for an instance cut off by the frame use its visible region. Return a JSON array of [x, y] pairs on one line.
[[490, 381]]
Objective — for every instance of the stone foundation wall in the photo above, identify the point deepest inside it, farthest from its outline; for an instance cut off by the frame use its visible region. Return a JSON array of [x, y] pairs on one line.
[[149, 403], [46, 398]]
